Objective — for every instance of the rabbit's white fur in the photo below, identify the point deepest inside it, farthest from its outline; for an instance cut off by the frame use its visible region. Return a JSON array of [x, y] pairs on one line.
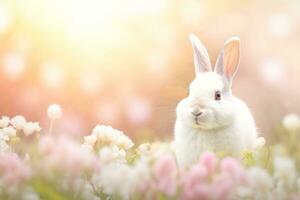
[[225, 125]]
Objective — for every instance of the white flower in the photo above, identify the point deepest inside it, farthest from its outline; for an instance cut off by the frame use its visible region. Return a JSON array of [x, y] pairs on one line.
[[105, 155], [126, 179], [116, 179], [291, 122], [90, 139], [108, 136], [284, 170], [31, 127], [124, 142], [110, 154], [144, 149], [259, 143], [18, 122], [97, 130], [118, 154], [159, 149], [87, 147], [244, 192], [3, 137], [3, 146], [9, 131], [4, 121], [259, 179], [141, 174], [54, 111]]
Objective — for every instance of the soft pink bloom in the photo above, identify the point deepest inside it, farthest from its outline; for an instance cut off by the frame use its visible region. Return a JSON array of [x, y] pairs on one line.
[[222, 187], [194, 184], [144, 186], [13, 170], [165, 170], [209, 160], [139, 110], [295, 197], [46, 145], [232, 167], [65, 155]]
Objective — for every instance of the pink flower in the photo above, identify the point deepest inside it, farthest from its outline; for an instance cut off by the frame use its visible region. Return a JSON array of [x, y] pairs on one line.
[[13, 170], [233, 168], [209, 160], [194, 183], [65, 155], [222, 187], [295, 197], [165, 171], [231, 174], [46, 145]]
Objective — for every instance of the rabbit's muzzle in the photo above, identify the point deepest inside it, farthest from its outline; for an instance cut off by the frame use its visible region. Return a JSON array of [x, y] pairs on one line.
[[196, 113]]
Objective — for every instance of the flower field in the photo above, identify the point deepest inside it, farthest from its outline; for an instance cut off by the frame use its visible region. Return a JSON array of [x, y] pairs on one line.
[[37, 164]]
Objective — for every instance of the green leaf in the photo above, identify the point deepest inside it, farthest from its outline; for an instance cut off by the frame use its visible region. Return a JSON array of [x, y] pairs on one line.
[[47, 191]]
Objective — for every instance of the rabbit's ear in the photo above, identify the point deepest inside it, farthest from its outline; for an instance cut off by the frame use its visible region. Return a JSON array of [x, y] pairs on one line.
[[229, 58], [201, 58]]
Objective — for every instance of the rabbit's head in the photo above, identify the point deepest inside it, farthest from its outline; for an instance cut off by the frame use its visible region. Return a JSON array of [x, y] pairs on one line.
[[210, 104]]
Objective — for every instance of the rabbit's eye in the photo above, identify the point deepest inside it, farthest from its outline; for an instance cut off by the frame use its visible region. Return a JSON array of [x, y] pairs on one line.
[[217, 95]]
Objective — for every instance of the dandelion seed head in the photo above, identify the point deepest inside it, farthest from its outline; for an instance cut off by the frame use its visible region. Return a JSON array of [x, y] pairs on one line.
[[54, 111]]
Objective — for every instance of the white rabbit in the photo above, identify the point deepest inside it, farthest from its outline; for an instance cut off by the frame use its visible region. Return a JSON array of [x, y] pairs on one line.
[[211, 118]]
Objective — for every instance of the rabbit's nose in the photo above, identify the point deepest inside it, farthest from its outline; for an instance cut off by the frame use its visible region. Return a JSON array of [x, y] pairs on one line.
[[196, 111]]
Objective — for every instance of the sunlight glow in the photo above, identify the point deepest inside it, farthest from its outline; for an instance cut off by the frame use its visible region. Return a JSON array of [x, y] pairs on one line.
[[90, 82], [271, 70], [280, 24], [13, 65], [138, 110], [90, 18], [107, 112], [52, 75], [5, 18]]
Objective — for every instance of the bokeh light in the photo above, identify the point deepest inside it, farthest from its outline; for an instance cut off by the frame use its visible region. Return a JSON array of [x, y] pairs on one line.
[[272, 71], [52, 75], [5, 18], [128, 63], [13, 66], [280, 24]]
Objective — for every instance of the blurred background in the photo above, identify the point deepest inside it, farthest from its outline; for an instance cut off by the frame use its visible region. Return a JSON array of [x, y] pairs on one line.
[[128, 63]]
